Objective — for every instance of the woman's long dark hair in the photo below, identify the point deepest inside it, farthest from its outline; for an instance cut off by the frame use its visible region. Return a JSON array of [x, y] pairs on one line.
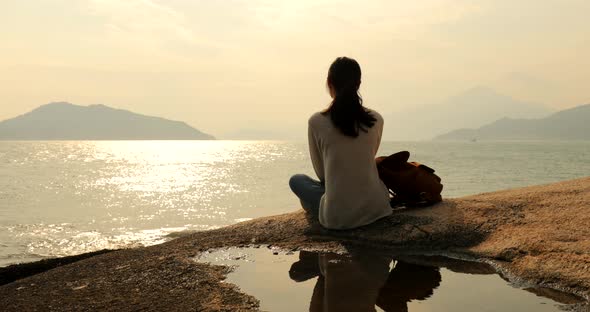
[[347, 111]]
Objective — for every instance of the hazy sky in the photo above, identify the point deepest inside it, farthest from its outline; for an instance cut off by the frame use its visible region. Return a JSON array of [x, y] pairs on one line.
[[228, 65]]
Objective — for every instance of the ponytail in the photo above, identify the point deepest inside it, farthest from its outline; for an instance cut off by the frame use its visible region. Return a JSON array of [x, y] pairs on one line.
[[346, 111]]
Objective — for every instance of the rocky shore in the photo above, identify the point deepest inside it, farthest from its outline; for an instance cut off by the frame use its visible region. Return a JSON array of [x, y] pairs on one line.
[[537, 235]]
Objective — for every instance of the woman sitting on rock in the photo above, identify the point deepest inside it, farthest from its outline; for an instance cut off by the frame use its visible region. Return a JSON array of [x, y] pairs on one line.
[[343, 141]]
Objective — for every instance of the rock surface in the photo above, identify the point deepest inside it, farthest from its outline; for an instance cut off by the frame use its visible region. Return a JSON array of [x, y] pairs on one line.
[[537, 234]]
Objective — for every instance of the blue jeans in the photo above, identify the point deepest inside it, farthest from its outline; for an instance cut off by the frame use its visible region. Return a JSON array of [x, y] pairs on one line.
[[309, 191]]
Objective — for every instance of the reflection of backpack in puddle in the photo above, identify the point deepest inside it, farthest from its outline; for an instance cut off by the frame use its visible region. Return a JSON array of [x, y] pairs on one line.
[[407, 282], [410, 183]]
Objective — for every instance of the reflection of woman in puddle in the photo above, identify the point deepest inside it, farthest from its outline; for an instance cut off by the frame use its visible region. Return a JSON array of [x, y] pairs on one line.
[[359, 282]]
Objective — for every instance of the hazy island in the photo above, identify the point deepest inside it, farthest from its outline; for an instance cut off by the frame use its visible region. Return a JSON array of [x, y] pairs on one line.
[[66, 121], [466, 110], [570, 124]]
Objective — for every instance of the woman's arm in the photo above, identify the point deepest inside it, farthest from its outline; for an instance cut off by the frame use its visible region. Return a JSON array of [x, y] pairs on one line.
[[315, 153], [379, 126]]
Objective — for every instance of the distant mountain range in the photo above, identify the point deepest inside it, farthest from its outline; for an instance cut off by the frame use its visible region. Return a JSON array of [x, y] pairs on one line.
[[66, 121], [569, 124], [470, 109]]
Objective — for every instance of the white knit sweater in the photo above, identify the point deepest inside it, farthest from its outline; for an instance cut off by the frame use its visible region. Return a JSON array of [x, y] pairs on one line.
[[355, 196]]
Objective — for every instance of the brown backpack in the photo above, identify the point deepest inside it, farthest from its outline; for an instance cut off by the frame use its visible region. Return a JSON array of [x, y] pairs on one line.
[[410, 183]]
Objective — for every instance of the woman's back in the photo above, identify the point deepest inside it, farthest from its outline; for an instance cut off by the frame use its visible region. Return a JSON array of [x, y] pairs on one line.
[[354, 194], [343, 141]]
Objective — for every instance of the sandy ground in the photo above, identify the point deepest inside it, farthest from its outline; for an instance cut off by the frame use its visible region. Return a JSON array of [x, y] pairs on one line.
[[536, 235]]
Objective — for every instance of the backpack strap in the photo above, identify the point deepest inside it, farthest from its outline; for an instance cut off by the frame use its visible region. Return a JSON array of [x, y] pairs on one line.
[[394, 160]]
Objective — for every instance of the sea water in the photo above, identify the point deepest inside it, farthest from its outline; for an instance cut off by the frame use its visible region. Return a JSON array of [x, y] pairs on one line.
[[64, 198]]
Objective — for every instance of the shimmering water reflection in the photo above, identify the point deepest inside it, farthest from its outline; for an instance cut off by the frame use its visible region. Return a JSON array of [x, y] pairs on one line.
[[64, 198]]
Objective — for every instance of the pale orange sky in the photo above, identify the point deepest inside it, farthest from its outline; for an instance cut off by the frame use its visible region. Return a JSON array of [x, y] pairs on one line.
[[222, 66]]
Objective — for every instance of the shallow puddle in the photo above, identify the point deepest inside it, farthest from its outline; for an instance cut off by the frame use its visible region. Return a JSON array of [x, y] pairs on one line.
[[363, 280]]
